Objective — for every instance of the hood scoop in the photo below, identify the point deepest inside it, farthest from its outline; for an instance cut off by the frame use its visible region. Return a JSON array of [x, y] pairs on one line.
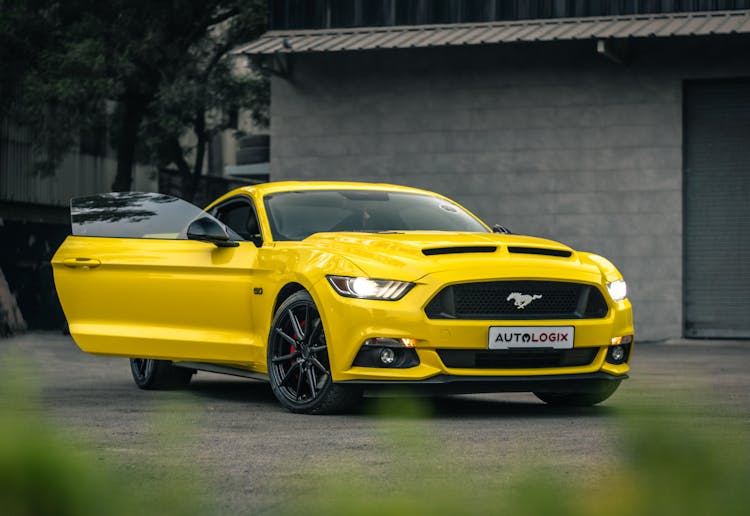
[[540, 250], [460, 250]]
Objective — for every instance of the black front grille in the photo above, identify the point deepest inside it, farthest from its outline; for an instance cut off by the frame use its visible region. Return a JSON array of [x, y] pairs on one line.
[[518, 300], [517, 358]]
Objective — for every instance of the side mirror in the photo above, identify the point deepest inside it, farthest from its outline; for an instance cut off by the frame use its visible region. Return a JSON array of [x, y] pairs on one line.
[[497, 228], [257, 240], [205, 229]]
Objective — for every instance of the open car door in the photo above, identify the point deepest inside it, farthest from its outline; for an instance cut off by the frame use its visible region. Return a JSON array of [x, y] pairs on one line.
[[152, 276]]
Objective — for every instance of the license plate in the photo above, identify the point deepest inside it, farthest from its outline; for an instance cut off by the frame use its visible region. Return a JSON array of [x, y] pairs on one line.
[[508, 337]]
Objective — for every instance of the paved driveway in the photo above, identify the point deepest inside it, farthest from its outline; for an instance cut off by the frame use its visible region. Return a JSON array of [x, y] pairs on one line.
[[249, 450]]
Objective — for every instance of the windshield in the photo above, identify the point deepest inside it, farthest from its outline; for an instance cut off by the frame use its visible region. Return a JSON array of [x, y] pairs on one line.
[[297, 215]]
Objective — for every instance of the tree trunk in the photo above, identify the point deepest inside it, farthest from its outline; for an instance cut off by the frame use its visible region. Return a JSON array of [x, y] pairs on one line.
[[199, 127], [133, 111], [175, 156]]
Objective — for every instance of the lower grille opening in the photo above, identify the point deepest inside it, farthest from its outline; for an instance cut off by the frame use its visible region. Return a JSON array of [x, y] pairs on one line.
[[516, 358]]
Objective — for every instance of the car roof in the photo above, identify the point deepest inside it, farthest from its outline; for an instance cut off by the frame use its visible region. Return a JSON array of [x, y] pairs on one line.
[[264, 189]]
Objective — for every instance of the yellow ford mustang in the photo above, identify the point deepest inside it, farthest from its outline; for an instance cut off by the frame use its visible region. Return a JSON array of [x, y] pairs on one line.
[[326, 289]]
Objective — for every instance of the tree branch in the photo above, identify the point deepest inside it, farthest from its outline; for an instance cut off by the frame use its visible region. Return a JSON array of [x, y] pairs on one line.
[[222, 17]]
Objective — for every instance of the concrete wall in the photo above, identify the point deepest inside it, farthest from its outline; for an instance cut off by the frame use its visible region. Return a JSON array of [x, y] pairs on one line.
[[547, 139]]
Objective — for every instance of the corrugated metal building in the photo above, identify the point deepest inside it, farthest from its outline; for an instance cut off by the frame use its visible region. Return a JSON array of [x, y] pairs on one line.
[[619, 127], [34, 214], [88, 171]]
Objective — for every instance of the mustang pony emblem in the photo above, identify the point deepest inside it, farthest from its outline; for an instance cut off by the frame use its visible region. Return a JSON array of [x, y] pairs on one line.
[[522, 300]]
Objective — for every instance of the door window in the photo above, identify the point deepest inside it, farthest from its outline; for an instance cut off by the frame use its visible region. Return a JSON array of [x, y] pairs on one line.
[[239, 215], [133, 215]]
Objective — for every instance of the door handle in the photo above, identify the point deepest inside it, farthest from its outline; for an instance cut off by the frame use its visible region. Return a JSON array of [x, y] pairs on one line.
[[82, 263]]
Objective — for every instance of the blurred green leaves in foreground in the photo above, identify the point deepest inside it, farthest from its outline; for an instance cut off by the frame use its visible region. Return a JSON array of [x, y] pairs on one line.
[[45, 472], [665, 463]]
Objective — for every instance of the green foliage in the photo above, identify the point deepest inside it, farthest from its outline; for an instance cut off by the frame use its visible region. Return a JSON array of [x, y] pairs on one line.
[[672, 460], [55, 82], [23, 31], [666, 465], [45, 473], [166, 64], [680, 463]]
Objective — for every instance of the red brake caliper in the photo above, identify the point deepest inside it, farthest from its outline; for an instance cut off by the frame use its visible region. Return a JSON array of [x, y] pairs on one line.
[[292, 347]]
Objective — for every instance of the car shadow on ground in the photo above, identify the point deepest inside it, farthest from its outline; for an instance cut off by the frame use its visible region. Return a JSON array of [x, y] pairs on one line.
[[241, 391], [233, 390], [448, 407]]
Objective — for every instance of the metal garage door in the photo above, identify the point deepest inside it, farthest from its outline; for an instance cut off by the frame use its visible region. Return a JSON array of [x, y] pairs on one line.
[[717, 208]]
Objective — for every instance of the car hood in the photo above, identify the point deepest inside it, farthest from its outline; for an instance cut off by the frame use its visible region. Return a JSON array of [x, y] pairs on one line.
[[412, 255]]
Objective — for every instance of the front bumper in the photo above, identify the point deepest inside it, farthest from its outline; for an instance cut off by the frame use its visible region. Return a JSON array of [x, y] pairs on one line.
[[350, 322]]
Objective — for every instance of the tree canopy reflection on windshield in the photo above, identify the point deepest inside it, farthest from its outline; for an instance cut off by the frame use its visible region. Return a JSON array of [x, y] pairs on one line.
[[132, 215]]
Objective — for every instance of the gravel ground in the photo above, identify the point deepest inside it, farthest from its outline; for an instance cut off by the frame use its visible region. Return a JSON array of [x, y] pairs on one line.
[[240, 450]]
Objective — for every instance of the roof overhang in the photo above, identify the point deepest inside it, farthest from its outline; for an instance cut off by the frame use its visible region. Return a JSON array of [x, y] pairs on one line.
[[561, 29]]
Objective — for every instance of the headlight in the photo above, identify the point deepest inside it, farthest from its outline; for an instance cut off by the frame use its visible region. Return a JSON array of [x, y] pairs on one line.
[[366, 288], [618, 290]]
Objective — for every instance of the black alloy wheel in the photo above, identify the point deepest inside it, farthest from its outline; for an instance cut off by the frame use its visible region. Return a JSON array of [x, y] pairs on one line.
[[150, 374], [298, 363]]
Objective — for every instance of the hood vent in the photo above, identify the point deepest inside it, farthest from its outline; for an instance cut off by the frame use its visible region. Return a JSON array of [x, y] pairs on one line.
[[459, 250], [540, 250]]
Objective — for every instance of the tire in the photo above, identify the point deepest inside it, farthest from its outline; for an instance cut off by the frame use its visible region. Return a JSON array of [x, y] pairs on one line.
[[580, 399], [298, 364], [152, 374]]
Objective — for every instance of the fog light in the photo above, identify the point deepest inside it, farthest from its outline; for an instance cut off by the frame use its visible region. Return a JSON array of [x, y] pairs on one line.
[[387, 356], [618, 354], [378, 356]]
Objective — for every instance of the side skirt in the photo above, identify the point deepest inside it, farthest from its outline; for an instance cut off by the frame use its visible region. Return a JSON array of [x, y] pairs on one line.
[[216, 368]]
